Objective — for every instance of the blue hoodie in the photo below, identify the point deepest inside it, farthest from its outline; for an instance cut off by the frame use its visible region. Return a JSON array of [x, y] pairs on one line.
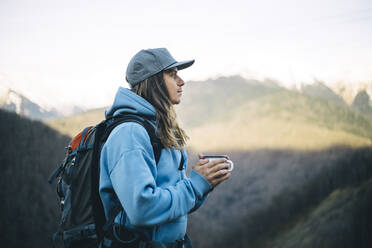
[[156, 198]]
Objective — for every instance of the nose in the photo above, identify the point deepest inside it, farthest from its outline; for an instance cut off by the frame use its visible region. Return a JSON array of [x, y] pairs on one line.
[[180, 82]]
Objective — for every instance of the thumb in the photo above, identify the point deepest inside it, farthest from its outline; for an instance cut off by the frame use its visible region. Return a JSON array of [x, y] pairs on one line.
[[200, 156]]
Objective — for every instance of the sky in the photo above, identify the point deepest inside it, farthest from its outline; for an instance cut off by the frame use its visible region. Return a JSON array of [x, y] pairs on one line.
[[76, 52]]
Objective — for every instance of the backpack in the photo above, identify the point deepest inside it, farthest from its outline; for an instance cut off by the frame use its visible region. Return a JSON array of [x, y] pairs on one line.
[[83, 222]]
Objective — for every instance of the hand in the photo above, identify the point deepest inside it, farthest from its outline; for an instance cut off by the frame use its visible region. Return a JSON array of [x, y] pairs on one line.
[[215, 171]]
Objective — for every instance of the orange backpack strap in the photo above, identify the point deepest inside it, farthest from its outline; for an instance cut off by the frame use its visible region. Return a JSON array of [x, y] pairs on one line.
[[78, 140]]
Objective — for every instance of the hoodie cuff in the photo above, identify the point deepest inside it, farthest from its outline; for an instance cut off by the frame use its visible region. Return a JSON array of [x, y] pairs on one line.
[[200, 184]]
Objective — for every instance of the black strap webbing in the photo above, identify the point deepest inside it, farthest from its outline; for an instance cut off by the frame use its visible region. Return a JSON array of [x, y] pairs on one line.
[[114, 121], [99, 218], [182, 162]]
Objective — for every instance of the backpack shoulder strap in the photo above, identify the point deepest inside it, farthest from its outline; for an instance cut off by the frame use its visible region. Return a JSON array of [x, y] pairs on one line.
[[150, 129], [106, 128]]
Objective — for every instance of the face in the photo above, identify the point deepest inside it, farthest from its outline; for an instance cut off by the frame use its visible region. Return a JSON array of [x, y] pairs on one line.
[[174, 85]]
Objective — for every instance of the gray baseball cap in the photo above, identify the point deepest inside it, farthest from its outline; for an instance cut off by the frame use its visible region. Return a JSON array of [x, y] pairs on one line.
[[147, 63]]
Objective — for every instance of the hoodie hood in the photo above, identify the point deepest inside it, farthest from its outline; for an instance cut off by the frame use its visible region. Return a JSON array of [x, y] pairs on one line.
[[127, 102]]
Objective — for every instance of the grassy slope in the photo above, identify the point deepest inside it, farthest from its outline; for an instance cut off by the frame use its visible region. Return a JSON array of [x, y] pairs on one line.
[[284, 119], [214, 100], [74, 124]]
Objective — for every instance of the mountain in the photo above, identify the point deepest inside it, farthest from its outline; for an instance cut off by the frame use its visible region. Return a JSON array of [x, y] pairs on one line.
[[232, 113], [215, 100], [275, 197], [236, 114], [15, 102], [284, 119]]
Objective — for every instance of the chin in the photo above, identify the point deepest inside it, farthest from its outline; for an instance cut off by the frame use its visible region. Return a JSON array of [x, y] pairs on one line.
[[176, 102]]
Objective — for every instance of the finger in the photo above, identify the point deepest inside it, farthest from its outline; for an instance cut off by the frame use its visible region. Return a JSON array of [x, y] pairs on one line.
[[219, 173], [218, 167], [200, 163], [216, 161], [203, 161]]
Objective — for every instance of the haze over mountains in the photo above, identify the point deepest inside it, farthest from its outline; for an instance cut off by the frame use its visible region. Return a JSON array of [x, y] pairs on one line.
[[14, 100], [229, 113], [239, 114]]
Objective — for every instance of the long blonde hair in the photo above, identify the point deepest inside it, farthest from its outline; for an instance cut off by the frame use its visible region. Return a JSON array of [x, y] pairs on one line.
[[154, 90]]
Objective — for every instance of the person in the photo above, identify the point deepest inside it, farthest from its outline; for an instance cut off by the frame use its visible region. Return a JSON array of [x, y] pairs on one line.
[[155, 197]]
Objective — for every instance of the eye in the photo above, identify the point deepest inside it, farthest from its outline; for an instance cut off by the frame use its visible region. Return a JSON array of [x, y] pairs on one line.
[[173, 74]]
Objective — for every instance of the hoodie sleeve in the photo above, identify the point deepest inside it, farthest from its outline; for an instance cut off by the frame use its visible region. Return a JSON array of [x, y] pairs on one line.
[[200, 200], [132, 169]]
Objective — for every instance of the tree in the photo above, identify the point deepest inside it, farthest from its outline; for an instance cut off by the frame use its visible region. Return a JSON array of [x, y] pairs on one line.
[[361, 103]]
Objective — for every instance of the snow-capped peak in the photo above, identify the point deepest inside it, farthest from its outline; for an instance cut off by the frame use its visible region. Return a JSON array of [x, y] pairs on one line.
[[14, 98]]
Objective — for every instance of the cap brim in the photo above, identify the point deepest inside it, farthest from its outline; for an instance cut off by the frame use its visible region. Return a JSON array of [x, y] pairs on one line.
[[181, 65]]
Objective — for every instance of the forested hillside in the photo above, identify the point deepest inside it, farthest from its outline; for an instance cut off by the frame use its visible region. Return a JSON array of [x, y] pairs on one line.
[[286, 198], [29, 153]]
